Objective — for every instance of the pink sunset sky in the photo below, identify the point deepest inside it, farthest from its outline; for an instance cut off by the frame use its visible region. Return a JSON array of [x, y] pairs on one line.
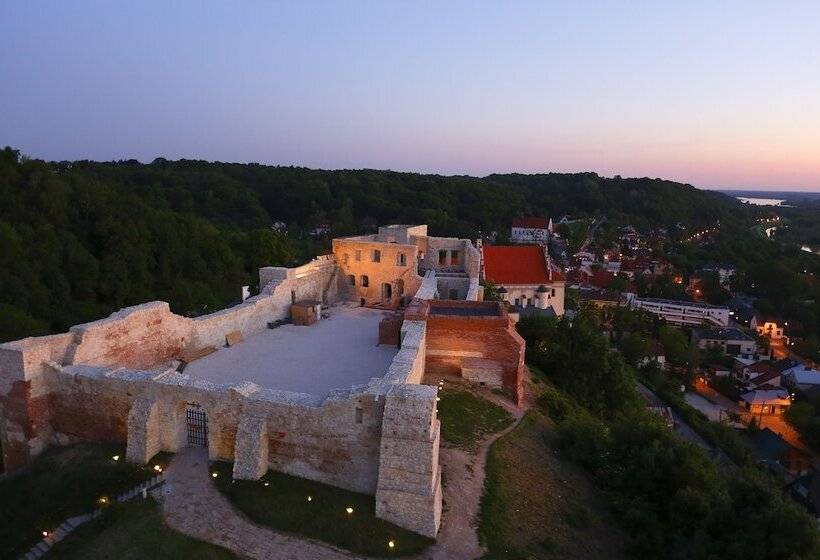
[[718, 94]]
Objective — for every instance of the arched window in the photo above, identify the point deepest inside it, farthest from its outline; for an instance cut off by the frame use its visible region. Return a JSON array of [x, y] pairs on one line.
[[365, 281]]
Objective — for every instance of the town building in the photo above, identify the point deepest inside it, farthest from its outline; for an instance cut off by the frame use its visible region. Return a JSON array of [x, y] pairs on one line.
[[776, 454], [766, 402], [770, 327], [301, 378], [684, 313], [524, 276], [762, 373], [531, 230], [599, 298], [732, 341], [800, 376]]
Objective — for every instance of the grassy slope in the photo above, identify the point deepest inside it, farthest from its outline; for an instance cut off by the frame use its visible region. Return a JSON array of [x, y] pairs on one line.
[[133, 531], [283, 505], [466, 419], [61, 483], [537, 505]]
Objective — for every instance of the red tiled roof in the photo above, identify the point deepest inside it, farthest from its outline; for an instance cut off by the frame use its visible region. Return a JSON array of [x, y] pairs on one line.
[[533, 223], [517, 264]]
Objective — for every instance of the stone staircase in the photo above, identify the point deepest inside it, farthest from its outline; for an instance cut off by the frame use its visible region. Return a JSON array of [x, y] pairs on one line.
[[69, 525]]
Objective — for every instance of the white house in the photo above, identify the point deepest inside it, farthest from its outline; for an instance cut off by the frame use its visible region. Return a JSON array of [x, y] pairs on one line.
[[524, 276], [731, 340], [531, 230]]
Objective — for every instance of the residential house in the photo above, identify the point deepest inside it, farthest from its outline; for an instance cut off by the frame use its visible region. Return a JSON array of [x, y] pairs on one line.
[[777, 454], [800, 376], [731, 340], [531, 230], [757, 374], [524, 276], [599, 297], [766, 402], [770, 327], [655, 354]]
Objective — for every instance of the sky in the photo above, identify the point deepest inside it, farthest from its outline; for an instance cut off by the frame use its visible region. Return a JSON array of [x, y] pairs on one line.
[[717, 94]]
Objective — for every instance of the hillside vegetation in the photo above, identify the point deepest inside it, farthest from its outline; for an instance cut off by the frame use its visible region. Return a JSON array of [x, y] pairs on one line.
[[79, 240]]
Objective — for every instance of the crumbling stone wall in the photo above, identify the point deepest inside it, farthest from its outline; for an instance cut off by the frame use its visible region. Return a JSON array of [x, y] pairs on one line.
[[450, 339], [409, 487], [116, 380], [355, 257], [468, 257], [24, 408]]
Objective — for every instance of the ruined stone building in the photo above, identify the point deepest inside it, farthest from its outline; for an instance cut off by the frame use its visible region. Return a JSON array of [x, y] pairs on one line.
[[332, 393]]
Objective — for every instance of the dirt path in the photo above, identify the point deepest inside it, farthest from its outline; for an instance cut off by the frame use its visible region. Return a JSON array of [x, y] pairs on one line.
[[193, 506], [464, 475]]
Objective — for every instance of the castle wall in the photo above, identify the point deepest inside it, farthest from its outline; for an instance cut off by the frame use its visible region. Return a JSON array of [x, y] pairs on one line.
[[114, 380], [453, 339], [439, 256]]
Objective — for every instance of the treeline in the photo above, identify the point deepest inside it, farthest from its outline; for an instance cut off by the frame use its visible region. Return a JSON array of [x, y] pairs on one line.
[[669, 496], [79, 240]]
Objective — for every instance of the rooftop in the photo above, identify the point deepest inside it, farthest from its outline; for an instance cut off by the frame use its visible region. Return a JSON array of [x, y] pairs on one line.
[[531, 223], [682, 303], [517, 264], [729, 333], [334, 353]]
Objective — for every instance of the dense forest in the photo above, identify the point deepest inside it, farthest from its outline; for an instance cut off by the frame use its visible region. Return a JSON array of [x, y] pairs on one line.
[[81, 239]]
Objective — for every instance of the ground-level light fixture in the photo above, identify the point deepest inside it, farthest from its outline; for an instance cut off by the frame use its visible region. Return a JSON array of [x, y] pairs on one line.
[[157, 468], [310, 499], [116, 457], [45, 533], [214, 474], [391, 544], [267, 484], [349, 510]]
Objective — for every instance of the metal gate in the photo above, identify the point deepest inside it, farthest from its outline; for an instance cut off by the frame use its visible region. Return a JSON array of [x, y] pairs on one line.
[[197, 425]]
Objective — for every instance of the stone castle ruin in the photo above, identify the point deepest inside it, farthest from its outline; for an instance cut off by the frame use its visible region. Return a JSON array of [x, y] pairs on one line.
[[332, 393]]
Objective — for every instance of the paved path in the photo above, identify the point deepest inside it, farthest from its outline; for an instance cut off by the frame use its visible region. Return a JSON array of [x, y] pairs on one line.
[[712, 411], [686, 431], [192, 505]]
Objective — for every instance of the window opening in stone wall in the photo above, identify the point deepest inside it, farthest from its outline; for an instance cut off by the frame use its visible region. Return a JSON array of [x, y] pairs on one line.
[[365, 281], [293, 296], [442, 257], [401, 259], [454, 257], [377, 256], [387, 292], [359, 415]]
